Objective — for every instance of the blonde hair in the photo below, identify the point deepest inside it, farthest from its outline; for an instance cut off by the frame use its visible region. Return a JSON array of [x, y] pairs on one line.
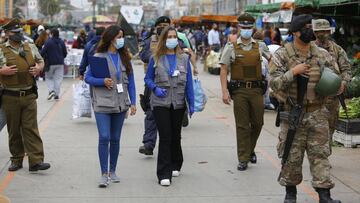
[[161, 48]]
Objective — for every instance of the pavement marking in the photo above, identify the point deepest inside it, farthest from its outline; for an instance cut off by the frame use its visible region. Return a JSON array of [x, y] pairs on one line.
[[275, 163], [44, 123]]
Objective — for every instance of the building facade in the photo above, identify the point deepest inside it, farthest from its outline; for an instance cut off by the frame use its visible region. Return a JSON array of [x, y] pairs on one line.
[[231, 7], [6, 8]]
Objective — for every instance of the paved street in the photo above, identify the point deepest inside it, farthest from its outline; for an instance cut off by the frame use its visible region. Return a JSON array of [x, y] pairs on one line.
[[209, 173]]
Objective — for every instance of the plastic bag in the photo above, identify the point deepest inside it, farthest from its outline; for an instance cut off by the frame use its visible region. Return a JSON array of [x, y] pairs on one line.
[[82, 100], [200, 97]]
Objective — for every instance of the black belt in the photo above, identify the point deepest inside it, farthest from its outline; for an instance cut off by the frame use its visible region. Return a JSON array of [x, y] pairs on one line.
[[20, 93], [247, 84]]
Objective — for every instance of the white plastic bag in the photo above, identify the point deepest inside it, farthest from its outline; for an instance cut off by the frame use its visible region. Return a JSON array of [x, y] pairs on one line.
[[82, 100]]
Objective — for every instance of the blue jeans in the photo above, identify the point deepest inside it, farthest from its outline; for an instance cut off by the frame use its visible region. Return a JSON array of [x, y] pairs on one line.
[[109, 126], [2, 119]]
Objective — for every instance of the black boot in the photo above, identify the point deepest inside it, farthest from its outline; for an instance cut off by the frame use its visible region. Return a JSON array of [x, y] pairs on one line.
[[290, 194], [324, 196]]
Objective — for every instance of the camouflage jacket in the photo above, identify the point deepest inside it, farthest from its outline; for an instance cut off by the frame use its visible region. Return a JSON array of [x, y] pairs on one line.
[[282, 80]]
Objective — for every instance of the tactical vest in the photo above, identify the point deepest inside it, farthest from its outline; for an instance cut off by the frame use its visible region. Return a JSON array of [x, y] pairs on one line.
[[311, 98], [175, 86], [247, 64], [110, 101], [22, 78]]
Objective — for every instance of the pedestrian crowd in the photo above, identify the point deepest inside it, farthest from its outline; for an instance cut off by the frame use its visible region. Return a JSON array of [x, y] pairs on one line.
[[260, 69]]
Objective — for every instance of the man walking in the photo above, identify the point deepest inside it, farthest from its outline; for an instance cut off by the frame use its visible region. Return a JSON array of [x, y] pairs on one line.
[[295, 70], [322, 32], [147, 48], [214, 38], [243, 60], [20, 62], [55, 52]]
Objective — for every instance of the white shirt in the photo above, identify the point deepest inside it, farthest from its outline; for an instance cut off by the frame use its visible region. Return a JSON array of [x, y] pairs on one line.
[[213, 37]]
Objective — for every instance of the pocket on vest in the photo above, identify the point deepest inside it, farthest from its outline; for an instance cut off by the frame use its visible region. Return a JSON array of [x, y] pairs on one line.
[[105, 99]]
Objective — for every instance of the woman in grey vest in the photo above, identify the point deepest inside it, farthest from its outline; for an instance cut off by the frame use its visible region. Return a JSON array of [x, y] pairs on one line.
[[110, 97], [169, 77]]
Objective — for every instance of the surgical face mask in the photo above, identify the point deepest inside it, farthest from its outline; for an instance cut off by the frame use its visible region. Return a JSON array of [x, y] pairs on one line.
[[171, 43], [16, 37], [246, 33], [307, 34], [159, 30], [120, 43]]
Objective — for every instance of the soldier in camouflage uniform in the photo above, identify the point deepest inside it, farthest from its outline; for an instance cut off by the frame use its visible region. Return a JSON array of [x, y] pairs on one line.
[[303, 57], [322, 32]]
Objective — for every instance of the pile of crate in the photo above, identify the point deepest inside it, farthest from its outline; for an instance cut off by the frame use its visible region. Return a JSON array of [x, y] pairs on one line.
[[347, 132]]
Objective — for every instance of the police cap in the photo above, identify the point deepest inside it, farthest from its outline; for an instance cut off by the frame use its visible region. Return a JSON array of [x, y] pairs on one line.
[[162, 19], [298, 22], [321, 25], [246, 20], [14, 25]]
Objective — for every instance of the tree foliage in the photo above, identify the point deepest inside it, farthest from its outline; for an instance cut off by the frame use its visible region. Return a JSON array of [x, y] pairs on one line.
[[49, 7]]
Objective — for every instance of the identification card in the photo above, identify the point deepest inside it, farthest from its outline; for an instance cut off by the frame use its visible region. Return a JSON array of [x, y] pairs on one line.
[[119, 88], [176, 73]]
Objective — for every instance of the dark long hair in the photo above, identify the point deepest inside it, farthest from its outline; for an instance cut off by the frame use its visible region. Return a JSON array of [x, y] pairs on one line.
[[109, 34]]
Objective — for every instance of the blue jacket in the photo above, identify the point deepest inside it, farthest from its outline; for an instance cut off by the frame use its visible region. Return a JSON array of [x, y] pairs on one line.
[[54, 51], [89, 50]]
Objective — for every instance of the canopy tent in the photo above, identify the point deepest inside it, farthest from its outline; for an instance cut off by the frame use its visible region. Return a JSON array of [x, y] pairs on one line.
[[30, 22], [190, 19], [99, 19], [219, 18]]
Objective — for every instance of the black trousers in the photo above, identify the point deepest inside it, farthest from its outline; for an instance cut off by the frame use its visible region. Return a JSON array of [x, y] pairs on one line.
[[170, 157]]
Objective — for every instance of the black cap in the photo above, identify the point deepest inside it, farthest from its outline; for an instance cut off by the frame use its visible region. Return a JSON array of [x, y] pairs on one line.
[[14, 25], [298, 22], [246, 20], [162, 19]]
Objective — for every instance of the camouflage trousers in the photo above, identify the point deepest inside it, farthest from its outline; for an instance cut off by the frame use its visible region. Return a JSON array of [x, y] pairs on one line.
[[333, 106], [311, 137]]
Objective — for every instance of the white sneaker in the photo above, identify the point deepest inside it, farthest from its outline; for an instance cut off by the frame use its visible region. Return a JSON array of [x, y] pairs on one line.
[[165, 182], [175, 173]]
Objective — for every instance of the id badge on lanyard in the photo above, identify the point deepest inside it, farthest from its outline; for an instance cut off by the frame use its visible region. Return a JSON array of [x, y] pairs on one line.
[[119, 86]]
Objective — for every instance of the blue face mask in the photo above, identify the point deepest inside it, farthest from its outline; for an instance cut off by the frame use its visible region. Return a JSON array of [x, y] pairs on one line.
[[119, 43], [171, 43], [246, 33]]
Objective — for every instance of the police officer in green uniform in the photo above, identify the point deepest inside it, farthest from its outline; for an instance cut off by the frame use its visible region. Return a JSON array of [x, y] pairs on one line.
[[20, 62], [243, 60]]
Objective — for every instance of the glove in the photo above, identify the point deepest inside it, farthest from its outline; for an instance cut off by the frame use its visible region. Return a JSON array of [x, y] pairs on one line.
[[159, 92], [191, 111]]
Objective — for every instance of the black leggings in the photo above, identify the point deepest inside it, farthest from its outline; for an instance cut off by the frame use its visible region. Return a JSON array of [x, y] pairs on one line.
[[170, 158]]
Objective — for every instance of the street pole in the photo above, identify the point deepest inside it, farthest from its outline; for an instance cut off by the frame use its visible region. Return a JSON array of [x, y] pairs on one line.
[[94, 14]]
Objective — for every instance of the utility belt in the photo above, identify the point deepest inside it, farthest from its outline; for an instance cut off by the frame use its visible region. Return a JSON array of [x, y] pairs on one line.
[[238, 84], [20, 93], [284, 111]]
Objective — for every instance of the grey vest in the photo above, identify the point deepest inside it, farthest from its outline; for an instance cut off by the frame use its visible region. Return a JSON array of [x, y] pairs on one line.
[[175, 86], [110, 101]]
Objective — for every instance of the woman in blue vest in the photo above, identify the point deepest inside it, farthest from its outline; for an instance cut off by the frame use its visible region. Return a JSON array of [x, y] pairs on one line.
[[110, 99], [169, 77]]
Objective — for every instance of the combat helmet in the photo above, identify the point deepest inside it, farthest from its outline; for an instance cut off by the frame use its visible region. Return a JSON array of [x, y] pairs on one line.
[[328, 84]]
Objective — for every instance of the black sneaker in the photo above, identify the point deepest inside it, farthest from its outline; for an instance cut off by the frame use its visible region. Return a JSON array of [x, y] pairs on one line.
[[15, 167], [242, 166], [253, 158], [146, 151], [51, 95], [41, 166], [56, 97]]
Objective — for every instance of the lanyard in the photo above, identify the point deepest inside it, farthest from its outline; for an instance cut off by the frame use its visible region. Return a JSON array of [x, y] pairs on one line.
[[116, 65], [171, 70]]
